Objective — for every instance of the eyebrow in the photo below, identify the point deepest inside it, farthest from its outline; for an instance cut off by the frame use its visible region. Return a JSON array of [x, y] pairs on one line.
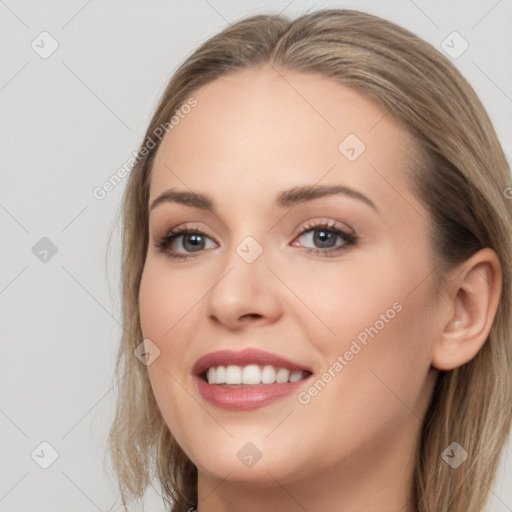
[[285, 199]]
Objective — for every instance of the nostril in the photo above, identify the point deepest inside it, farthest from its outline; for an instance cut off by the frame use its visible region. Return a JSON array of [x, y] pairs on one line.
[[252, 315]]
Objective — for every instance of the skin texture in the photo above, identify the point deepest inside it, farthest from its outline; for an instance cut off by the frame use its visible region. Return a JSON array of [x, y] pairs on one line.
[[253, 134]]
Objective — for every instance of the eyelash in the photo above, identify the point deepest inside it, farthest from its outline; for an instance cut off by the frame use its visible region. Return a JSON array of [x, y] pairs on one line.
[[350, 239]]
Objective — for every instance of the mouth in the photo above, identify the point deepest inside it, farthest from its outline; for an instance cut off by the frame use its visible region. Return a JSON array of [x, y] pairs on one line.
[[247, 380]]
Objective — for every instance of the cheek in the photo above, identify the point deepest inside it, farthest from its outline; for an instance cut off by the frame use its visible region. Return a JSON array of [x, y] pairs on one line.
[[336, 302], [166, 300], [378, 374], [166, 308], [377, 318], [391, 352]]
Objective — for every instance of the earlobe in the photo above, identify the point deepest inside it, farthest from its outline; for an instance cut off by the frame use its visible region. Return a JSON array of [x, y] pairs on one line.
[[475, 291]]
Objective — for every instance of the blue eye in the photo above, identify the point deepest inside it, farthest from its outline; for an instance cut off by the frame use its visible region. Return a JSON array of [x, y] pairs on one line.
[[325, 236], [194, 241]]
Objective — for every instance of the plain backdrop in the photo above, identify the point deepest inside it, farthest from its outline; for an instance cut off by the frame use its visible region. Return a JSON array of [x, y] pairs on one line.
[[69, 120]]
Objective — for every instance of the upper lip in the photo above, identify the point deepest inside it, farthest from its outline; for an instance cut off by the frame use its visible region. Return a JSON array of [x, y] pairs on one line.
[[242, 358]]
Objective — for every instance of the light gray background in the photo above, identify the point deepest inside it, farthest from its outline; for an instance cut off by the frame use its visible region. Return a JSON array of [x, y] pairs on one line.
[[68, 123]]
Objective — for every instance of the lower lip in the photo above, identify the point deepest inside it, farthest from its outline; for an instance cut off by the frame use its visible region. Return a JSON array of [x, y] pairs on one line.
[[246, 398]]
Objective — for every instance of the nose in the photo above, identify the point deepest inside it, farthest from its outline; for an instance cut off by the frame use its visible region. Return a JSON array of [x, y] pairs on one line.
[[244, 293]]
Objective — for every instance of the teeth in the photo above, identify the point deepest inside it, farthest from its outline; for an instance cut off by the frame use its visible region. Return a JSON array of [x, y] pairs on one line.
[[282, 375], [233, 374], [295, 376], [268, 375], [251, 374], [220, 375]]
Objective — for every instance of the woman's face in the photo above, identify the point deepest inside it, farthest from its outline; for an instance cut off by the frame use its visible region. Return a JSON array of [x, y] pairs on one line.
[[339, 283]]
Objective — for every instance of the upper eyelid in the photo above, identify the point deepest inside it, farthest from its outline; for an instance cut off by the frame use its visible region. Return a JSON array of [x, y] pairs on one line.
[[300, 228]]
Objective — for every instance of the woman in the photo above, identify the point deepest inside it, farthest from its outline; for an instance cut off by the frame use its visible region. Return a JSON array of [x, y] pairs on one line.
[[316, 278]]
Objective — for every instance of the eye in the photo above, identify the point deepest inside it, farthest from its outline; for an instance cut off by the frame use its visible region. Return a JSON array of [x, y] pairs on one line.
[[324, 236], [191, 240]]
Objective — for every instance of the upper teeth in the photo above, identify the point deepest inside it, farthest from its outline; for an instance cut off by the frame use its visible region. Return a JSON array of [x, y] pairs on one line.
[[251, 374]]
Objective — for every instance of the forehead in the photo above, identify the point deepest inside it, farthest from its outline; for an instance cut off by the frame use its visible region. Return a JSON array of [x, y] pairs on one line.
[[259, 130]]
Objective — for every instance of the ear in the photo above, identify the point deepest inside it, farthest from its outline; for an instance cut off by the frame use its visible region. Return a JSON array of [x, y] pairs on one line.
[[474, 294]]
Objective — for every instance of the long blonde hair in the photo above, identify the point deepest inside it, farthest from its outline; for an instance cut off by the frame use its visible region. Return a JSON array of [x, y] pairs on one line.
[[460, 174]]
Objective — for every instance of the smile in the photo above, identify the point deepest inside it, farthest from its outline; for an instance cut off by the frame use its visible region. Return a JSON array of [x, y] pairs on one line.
[[247, 380]]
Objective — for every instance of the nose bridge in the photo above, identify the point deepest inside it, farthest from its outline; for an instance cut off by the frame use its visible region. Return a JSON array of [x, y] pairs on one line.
[[244, 265], [243, 287], [247, 238]]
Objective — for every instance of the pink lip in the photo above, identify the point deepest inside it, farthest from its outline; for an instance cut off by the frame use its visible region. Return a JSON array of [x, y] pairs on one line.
[[248, 397]]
